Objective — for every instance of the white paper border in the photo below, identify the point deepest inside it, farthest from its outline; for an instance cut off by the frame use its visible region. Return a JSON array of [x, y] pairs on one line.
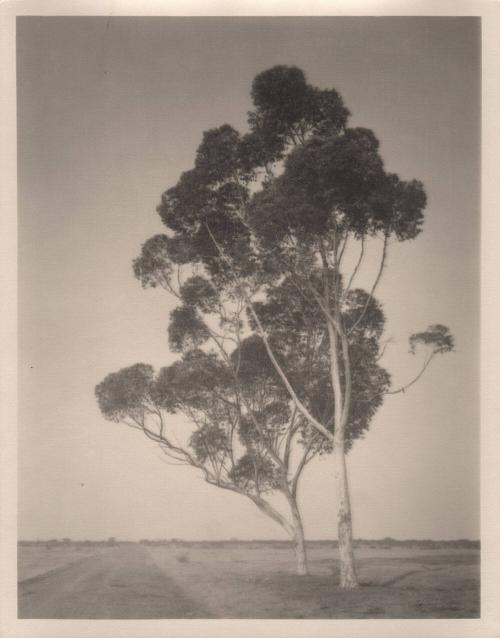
[[488, 626]]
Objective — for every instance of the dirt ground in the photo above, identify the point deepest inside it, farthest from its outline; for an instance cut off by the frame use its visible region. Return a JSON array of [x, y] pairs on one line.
[[42, 558], [250, 580], [120, 582]]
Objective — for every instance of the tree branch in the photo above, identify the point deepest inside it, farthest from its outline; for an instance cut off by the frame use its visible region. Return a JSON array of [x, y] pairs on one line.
[[268, 509], [384, 348], [342, 250], [300, 406], [288, 440], [375, 284], [356, 268], [301, 465], [405, 387]]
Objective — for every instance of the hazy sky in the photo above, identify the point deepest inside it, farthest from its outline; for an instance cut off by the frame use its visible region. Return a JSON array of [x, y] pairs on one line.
[[110, 113]]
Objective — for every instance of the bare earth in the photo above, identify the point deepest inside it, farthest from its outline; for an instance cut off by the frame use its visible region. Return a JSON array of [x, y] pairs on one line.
[[40, 558], [246, 580], [123, 582]]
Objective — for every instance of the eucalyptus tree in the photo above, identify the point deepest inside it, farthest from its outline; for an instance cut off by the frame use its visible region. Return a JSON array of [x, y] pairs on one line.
[[285, 207], [238, 427]]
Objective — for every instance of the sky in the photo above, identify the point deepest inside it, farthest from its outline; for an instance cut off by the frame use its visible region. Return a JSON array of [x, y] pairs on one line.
[[110, 112]]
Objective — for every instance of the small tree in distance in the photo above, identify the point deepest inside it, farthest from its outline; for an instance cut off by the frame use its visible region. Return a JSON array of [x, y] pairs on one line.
[[283, 207]]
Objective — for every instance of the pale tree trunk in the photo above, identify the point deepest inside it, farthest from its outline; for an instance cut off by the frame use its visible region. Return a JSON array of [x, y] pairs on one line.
[[295, 530], [348, 578], [299, 541], [299, 544]]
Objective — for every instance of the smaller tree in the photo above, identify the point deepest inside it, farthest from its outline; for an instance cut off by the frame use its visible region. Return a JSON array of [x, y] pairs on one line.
[[240, 439]]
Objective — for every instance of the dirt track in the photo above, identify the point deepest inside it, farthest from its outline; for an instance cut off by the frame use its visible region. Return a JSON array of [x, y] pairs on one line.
[[122, 583]]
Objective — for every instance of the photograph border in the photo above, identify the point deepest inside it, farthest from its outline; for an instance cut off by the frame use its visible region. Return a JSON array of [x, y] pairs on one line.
[[488, 626]]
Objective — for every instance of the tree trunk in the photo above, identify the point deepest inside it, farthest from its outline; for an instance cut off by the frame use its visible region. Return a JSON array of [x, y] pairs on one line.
[[348, 578], [298, 539], [295, 530], [299, 544]]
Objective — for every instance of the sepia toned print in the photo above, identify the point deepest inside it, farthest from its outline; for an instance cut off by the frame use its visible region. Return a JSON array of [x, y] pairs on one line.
[[249, 260]]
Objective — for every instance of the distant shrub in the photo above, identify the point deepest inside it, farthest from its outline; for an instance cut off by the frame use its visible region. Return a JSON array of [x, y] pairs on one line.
[[183, 558]]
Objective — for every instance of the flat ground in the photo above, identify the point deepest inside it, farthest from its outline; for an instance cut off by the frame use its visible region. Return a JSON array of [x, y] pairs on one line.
[[245, 580]]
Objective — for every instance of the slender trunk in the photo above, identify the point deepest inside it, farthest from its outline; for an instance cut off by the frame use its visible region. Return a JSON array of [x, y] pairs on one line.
[[295, 530], [299, 544], [348, 578], [298, 539]]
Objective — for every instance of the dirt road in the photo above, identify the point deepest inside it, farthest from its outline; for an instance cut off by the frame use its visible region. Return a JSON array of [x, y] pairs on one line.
[[122, 583]]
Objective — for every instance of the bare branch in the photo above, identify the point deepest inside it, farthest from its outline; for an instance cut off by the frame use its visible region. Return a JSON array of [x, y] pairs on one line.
[[356, 267], [302, 463], [384, 348], [166, 285], [268, 509], [375, 284], [342, 250], [293, 428], [405, 387]]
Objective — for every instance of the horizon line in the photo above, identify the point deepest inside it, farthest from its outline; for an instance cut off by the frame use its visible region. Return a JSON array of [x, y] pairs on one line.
[[248, 540]]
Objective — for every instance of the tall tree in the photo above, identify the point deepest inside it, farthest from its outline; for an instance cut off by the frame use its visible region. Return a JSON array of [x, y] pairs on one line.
[[285, 206]]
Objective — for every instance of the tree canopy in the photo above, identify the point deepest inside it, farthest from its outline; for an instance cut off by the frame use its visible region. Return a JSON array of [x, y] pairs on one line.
[[258, 235]]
